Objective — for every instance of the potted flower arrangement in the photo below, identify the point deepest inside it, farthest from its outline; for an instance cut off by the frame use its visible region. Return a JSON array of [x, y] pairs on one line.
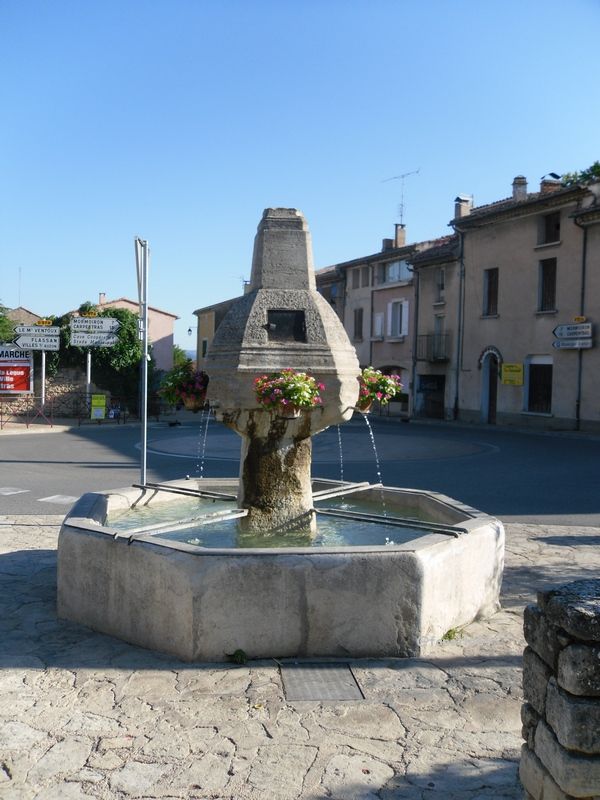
[[288, 392], [184, 386], [374, 385]]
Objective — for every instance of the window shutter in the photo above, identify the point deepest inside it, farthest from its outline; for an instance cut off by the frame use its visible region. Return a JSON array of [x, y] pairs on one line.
[[389, 319], [404, 331]]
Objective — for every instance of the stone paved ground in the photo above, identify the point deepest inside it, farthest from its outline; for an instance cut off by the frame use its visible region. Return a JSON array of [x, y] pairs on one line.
[[87, 716]]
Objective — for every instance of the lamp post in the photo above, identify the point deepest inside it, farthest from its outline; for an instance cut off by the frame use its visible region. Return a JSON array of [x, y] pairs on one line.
[[142, 260]]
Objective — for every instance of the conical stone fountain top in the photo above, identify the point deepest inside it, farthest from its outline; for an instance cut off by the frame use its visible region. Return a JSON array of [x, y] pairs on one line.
[[281, 322]]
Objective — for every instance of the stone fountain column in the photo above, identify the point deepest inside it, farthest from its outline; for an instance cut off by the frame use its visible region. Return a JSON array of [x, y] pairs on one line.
[[281, 322]]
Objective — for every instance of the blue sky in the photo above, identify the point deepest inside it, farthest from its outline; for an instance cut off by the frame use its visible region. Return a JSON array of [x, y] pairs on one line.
[[180, 121]]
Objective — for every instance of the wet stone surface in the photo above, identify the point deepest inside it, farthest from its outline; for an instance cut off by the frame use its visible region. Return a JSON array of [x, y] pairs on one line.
[[83, 715]]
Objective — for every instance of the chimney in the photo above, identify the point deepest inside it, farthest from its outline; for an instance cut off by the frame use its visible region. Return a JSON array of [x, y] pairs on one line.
[[548, 185], [462, 206], [387, 244], [400, 235], [101, 298], [519, 187]]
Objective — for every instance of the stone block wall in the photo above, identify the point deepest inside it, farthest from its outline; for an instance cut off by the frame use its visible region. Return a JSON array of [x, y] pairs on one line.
[[560, 759]]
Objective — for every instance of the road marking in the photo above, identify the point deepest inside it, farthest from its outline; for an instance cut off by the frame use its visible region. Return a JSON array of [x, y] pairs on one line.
[[12, 490], [62, 499]]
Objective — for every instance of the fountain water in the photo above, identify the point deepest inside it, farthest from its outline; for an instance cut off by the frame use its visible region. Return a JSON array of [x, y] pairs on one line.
[[395, 596]]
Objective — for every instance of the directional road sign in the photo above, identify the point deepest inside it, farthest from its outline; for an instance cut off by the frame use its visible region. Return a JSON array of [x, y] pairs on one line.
[[38, 330], [94, 324], [573, 331], [572, 344], [101, 339], [38, 342]]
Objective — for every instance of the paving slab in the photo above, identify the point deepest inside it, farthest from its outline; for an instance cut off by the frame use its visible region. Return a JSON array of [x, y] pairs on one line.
[[83, 715]]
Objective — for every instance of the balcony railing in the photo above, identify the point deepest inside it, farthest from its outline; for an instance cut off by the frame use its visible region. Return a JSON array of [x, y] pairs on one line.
[[433, 347]]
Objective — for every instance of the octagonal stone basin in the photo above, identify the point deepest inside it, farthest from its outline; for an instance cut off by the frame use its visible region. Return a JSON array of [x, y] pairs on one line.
[[202, 603]]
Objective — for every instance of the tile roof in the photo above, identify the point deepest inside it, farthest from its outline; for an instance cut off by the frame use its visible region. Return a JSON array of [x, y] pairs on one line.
[[509, 204], [444, 248]]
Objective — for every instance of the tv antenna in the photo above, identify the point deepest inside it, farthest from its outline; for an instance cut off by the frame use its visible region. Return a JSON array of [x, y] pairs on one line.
[[401, 178]]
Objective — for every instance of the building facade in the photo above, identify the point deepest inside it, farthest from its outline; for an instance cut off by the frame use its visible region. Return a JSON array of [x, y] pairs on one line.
[[528, 352], [437, 323]]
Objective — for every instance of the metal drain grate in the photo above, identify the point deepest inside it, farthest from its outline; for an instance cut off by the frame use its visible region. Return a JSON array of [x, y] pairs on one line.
[[320, 682]]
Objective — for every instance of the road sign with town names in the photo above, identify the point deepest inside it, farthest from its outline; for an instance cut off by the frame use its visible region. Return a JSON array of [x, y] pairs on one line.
[[38, 342], [99, 339], [573, 331], [572, 344], [38, 330], [94, 324]]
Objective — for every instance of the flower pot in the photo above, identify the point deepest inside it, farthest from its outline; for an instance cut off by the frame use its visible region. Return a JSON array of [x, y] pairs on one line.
[[289, 412], [194, 404]]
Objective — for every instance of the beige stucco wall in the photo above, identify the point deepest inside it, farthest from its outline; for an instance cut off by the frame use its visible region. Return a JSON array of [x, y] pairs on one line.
[[394, 351], [519, 330], [359, 298], [430, 306]]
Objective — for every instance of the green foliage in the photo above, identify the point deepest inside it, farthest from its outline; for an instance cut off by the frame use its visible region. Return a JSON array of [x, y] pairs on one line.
[[451, 635], [7, 327], [585, 176], [179, 356], [237, 657]]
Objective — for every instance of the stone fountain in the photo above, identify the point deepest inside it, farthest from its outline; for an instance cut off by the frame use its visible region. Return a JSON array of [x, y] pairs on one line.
[[204, 602], [281, 322]]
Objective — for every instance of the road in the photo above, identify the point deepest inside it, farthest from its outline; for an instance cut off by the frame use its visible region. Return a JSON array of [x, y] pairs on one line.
[[536, 478]]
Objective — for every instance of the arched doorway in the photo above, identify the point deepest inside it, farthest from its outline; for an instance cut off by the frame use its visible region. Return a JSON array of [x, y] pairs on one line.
[[489, 361]]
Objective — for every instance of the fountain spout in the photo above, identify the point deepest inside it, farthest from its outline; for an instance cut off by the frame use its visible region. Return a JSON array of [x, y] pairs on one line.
[[281, 323]]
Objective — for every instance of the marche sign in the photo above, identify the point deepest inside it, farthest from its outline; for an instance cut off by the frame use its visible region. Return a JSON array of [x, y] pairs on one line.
[[16, 370]]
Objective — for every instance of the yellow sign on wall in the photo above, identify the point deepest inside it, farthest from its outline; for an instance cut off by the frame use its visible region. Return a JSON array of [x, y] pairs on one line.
[[98, 406], [512, 374]]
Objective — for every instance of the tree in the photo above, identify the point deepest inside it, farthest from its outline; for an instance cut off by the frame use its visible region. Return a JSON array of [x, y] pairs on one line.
[[7, 327], [585, 176], [179, 356]]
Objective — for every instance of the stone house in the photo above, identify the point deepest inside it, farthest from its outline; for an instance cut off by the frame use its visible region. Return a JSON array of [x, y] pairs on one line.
[[22, 316], [528, 267]]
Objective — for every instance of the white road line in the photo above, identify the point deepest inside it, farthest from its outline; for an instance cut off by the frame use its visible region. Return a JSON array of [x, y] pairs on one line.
[[62, 499]]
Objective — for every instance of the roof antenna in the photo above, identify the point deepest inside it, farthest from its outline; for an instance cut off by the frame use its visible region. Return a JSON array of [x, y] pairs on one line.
[[401, 179]]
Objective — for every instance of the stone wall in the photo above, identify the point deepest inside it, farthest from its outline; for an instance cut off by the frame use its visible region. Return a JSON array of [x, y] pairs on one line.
[[561, 685]]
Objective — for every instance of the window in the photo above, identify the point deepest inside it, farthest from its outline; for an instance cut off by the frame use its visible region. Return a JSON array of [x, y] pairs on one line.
[[356, 278], [549, 228], [547, 285], [286, 326], [358, 324], [204, 347], [397, 318], [378, 325], [440, 285], [364, 277], [393, 271], [397, 271], [490, 292], [539, 384]]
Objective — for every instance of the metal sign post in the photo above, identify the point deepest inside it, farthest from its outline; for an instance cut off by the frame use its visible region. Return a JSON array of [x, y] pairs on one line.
[[142, 260]]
